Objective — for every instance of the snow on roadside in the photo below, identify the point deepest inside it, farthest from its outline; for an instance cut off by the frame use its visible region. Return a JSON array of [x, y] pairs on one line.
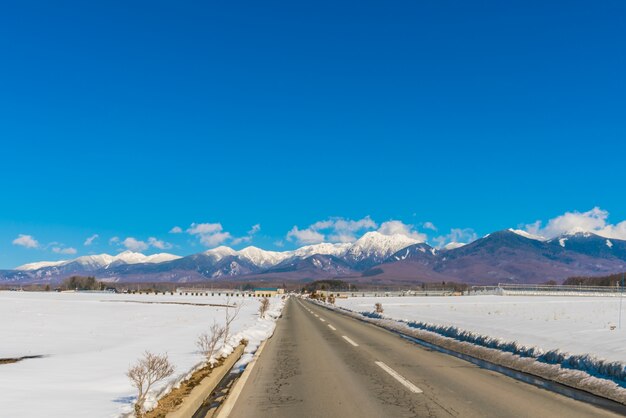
[[89, 340]]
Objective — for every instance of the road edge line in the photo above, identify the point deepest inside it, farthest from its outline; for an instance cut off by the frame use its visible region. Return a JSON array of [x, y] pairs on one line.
[[233, 395]]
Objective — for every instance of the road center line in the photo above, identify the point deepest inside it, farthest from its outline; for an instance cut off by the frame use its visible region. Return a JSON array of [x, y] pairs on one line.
[[331, 327], [350, 341], [322, 319], [410, 386]]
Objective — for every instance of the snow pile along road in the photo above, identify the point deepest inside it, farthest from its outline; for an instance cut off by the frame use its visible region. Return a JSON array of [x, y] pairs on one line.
[[89, 340]]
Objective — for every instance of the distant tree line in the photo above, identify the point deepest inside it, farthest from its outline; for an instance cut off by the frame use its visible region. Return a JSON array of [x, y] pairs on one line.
[[328, 284], [82, 283], [611, 280]]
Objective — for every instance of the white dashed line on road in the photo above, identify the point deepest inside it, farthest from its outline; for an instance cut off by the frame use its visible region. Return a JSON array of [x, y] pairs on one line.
[[331, 327], [410, 386], [322, 319], [350, 341]]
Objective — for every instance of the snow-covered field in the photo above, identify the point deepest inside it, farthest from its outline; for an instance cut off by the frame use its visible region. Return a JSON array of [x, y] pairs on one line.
[[578, 325], [90, 339]]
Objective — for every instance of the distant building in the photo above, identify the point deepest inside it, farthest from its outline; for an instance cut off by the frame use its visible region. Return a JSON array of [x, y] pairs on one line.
[[193, 291], [267, 292]]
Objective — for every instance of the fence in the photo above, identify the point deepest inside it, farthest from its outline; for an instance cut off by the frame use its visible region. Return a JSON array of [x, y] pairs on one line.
[[549, 290]]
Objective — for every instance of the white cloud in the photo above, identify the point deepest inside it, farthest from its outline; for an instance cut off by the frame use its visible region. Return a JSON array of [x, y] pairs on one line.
[[594, 220], [332, 229], [156, 243], [90, 240], [213, 240], [429, 225], [456, 235], [210, 235], [60, 250], [176, 230], [394, 227], [305, 236], [255, 228], [206, 228], [135, 244], [114, 240], [26, 241]]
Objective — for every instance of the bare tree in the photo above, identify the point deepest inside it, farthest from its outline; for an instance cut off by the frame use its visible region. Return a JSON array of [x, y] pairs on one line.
[[379, 307], [331, 299], [145, 373], [263, 307], [207, 342], [230, 315]]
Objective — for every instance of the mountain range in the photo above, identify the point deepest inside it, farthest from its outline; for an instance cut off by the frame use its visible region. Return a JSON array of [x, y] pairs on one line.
[[508, 256]]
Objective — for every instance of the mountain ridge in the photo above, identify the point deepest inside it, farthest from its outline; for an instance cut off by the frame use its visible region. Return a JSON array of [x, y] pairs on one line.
[[502, 256]]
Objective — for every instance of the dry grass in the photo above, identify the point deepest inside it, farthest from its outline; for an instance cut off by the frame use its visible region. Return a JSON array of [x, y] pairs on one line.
[[170, 303], [174, 398], [16, 359]]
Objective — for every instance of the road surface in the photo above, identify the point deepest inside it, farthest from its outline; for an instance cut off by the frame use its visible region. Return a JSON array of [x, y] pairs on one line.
[[323, 364]]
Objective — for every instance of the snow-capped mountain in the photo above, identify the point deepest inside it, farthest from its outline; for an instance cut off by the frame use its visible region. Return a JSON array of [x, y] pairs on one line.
[[374, 247], [590, 244], [421, 251], [325, 248], [39, 265], [95, 262], [503, 256], [324, 258], [527, 234], [220, 253], [262, 258], [453, 245]]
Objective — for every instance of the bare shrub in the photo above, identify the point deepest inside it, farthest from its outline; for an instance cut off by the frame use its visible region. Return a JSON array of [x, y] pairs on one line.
[[331, 299], [231, 314], [207, 342], [378, 307], [145, 373], [263, 307]]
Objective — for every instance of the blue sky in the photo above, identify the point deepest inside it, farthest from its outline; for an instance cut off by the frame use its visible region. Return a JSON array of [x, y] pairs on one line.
[[127, 119]]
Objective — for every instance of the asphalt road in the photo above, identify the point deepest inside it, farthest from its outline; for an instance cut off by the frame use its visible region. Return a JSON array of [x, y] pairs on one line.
[[323, 364]]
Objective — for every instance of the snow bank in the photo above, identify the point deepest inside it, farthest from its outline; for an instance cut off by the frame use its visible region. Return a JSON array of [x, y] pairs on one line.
[[89, 340], [548, 329], [569, 324]]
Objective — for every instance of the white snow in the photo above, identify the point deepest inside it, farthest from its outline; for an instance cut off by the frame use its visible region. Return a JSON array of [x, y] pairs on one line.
[[378, 246], [40, 264], [104, 260], [578, 231], [526, 234], [562, 242], [221, 252], [573, 324], [453, 245], [90, 339], [371, 245], [261, 257], [324, 248], [609, 244]]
